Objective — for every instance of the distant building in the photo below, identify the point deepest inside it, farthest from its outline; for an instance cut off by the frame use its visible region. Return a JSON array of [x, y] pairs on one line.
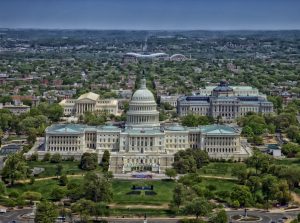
[[16, 109], [89, 102], [178, 57], [224, 101], [170, 99], [134, 57]]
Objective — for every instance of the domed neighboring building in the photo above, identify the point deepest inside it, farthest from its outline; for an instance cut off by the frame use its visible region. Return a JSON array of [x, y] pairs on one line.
[[142, 109], [223, 89]]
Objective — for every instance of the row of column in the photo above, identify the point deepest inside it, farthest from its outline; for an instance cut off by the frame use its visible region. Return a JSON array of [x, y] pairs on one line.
[[82, 108], [141, 141], [61, 140], [142, 119]]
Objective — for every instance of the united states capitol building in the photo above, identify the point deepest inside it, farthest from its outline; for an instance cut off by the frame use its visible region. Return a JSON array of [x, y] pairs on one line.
[[224, 101], [144, 143]]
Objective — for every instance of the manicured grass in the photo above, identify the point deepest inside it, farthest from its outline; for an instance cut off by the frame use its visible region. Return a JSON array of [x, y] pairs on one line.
[[220, 184], [133, 212], [164, 190], [69, 167], [44, 187], [218, 169], [288, 161]]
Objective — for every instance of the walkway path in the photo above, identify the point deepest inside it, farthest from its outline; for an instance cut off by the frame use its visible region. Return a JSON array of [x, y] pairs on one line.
[[123, 176]]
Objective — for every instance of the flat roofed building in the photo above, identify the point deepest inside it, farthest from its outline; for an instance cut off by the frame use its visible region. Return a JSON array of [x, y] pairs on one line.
[[170, 99], [224, 101], [16, 109]]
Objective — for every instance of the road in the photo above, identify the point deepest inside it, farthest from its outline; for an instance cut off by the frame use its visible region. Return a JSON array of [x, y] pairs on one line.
[[266, 217], [14, 216]]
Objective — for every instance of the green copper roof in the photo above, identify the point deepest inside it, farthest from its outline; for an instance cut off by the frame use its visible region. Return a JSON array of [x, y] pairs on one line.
[[217, 129]]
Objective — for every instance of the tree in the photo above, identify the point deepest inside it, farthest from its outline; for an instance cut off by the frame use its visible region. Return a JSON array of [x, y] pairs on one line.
[[15, 168], [32, 196], [75, 190], [2, 188], [254, 184], [57, 193], [89, 161], [59, 169], [188, 161], [1, 136], [198, 207], [84, 208], [56, 158], [241, 172], [47, 157], [63, 180], [31, 136], [97, 187], [170, 172], [105, 160], [220, 217], [178, 195], [46, 212], [101, 210], [259, 161], [241, 194], [290, 149], [54, 112], [269, 188]]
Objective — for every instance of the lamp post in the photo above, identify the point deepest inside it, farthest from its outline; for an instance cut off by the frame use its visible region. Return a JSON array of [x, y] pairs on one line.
[[246, 213]]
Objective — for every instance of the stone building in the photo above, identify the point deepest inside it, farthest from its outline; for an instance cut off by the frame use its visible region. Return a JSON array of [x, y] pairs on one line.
[[143, 144], [89, 102], [225, 101]]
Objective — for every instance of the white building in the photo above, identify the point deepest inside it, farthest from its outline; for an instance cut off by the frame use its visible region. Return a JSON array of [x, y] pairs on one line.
[[16, 109], [89, 102], [143, 144], [170, 99]]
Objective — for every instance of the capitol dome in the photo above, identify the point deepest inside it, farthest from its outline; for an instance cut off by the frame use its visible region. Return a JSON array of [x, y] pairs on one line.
[[143, 94], [142, 109]]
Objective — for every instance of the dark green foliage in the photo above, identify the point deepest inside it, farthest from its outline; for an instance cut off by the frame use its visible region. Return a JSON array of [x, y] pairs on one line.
[[97, 187], [63, 180], [195, 120], [198, 207], [188, 161], [57, 193], [89, 161], [220, 217], [15, 168], [56, 158], [105, 160], [46, 212], [47, 157]]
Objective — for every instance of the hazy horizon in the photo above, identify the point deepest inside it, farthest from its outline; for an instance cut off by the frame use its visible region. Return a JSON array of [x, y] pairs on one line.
[[173, 15]]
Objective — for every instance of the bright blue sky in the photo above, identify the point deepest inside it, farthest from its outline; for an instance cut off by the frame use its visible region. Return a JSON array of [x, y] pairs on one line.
[[151, 14]]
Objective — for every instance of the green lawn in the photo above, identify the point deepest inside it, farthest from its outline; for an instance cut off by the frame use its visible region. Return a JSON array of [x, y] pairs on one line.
[[164, 190], [288, 161], [220, 184], [43, 186], [69, 167], [218, 169]]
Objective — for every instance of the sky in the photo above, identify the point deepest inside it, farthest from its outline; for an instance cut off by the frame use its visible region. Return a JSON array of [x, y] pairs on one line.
[[151, 14]]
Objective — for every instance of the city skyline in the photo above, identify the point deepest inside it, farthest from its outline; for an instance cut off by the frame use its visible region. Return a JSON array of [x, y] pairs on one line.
[[151, 15]]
